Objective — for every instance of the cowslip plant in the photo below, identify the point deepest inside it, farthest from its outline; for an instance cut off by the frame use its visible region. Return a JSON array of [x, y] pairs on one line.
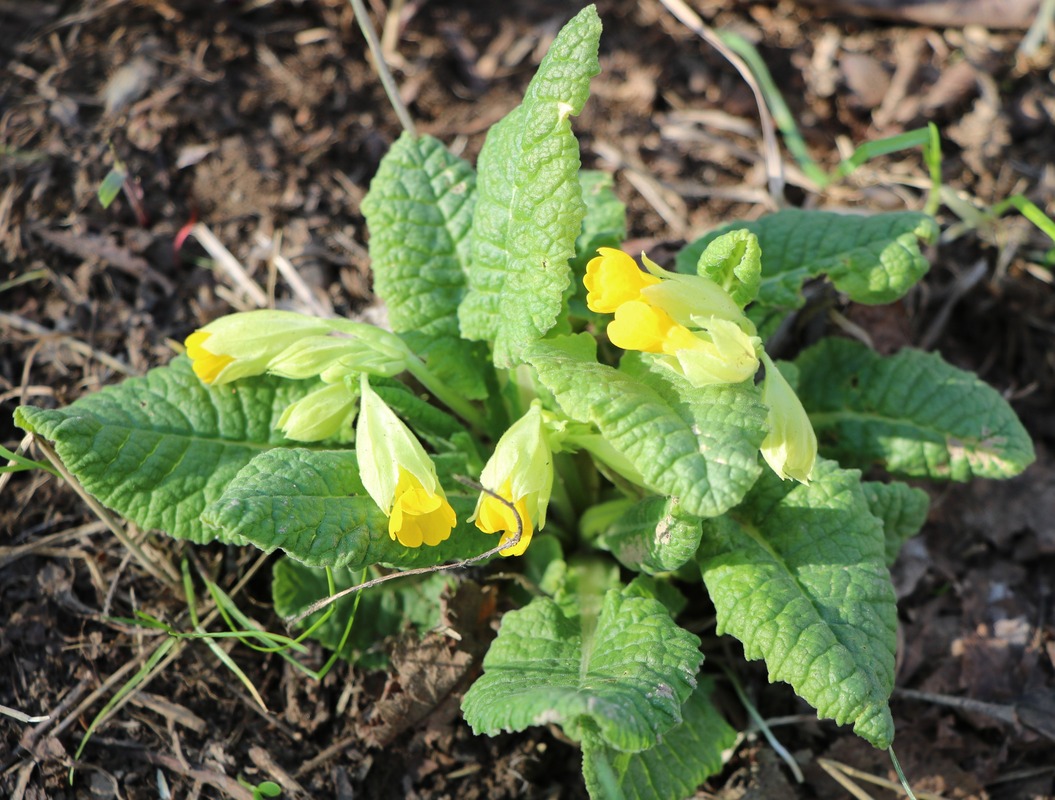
[[628, 426]]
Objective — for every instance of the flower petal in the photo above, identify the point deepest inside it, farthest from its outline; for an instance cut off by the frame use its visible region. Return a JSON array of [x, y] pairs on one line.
[[206, 365], [613, 278], [790, 447], [418, 515], [640, 326]]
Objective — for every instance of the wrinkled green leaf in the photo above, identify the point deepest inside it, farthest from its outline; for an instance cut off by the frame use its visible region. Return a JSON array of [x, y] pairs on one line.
[[658, 589], [529, 210], [733, 260], [158, 448], [911, 413], [798, 574], [672, 770], [383, 611], [628, 671], [461, 365], [873, 259], [312, 505], [587, 580], [420, 209], [697, 445], [901, 508], [651, 536]]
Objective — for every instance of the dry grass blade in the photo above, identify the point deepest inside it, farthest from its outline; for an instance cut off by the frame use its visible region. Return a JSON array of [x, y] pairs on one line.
[[21, 716], [383, 72], [774, 164], [300, 288], [667, 204], [833, 769], [229, 786], [230, 265], [843, 772], [159, 568], [26, 326]]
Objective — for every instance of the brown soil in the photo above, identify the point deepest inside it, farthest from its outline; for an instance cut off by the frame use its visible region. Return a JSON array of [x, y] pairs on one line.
[[264, 121]]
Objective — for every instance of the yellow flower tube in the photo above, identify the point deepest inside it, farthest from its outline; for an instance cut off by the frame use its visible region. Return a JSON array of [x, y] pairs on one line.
[[790, 447], [399, 476], [521, 471], [241, 345]]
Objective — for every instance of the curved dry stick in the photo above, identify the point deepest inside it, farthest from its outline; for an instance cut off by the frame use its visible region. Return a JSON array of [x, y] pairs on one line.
[[318, 605]]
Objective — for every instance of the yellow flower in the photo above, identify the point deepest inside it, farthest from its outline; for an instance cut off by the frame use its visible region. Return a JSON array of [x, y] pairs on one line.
[[640, 326], [207, 366], [493, 516], [292, 345], [690, 321], [240, 345], [521, 471], [418, 515], [399, 476], [613, 278], [790, 447]]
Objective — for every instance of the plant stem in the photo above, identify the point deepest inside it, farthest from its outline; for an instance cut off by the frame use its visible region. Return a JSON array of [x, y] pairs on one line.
[[387, 81], [444, 394]]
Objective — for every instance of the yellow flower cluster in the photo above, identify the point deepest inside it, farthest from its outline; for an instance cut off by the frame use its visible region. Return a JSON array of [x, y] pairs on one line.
[[694, 327], [690, 321], [395, 470]]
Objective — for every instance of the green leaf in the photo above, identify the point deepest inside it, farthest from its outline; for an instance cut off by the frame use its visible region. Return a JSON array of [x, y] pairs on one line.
[[420, 209], [651, 536], [383, 611], [873, 259], [309, 503], [672, 770], [698, 445], [530, 210], [733, 260], [461, 365], [544, 563], [901, 508], [605, 222], [586, 582], [798, 574], [911, 413], [111, 185], [158, 448], [427, 420], [312, 505], [628, 671], [658, 589]]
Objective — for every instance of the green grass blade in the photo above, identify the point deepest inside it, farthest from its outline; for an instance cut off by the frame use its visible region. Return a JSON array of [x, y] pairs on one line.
[[123, 692], [932, 158], [1029, 210], [782, 115], [231, 614], [920, 137], [22, 463]]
